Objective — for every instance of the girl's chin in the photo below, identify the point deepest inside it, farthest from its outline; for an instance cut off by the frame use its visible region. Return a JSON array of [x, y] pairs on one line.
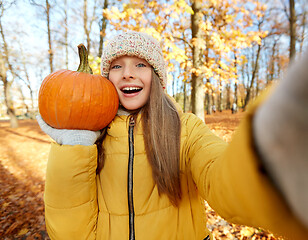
[[132, 106]]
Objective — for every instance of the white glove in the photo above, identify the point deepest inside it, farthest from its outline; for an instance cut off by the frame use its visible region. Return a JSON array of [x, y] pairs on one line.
[[67, 136], [281, 134]]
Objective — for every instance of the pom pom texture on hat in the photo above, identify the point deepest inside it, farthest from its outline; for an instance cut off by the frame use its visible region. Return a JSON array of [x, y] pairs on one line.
[[135, 44]]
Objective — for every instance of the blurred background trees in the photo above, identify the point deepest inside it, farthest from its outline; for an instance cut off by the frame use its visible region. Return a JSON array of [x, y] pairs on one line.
[[220, 54]]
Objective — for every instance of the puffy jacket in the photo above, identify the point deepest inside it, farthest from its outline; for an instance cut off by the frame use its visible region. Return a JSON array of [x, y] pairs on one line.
[[123, 198]]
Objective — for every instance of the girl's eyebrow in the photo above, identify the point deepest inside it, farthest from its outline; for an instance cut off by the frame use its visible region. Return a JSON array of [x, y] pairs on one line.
[[114, 62]]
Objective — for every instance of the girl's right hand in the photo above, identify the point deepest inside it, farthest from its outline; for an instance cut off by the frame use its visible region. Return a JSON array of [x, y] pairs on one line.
[[67, 136], [281, 134]]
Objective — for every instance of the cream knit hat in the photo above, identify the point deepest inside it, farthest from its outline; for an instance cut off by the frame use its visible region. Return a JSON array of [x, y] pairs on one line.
[[136, 44]]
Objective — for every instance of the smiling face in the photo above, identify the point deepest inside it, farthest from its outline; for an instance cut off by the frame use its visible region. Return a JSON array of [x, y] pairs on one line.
[[132, 78]]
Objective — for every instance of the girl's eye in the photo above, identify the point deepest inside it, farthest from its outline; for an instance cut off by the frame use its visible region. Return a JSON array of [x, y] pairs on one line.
[[115, 67], [141, 65]]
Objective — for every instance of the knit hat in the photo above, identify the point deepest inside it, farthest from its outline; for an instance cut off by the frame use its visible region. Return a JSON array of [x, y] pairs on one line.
[[136, 44]]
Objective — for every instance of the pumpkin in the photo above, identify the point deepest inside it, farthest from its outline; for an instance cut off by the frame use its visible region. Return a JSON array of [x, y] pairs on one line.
[[78, 99]]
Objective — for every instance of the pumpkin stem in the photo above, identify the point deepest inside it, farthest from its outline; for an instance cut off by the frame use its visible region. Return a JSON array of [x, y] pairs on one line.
[[84, 63]]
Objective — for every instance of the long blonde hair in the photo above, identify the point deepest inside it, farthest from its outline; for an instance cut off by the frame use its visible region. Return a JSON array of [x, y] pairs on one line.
[[161, 132]]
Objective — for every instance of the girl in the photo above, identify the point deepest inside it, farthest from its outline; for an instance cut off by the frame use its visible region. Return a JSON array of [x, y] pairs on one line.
[[156, 164]]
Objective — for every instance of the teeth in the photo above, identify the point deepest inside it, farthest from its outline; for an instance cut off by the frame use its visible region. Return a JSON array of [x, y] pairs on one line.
[[131, 88]]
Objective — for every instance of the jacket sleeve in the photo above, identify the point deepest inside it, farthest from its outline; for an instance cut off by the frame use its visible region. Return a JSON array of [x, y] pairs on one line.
[[231, 178], [70, 192]]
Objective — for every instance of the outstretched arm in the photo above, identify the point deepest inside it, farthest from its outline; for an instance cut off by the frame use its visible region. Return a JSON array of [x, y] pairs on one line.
[[281, 134], [260, 178]]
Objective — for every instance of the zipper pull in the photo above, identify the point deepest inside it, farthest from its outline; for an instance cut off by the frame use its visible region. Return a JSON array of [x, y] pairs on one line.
[[131, 121]]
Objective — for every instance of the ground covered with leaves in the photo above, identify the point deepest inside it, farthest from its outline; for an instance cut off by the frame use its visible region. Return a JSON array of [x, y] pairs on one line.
[[23, 157]]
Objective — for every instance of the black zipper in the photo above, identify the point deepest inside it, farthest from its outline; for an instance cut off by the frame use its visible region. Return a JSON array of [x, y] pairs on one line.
[[130, 179]]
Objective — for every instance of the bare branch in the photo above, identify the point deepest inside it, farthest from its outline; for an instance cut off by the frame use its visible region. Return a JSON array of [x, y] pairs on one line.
[[34, 3], [185, 41], [285, 9]]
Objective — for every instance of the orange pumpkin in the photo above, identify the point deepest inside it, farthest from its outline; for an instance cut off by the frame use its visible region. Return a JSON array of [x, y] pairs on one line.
[[78, 99]]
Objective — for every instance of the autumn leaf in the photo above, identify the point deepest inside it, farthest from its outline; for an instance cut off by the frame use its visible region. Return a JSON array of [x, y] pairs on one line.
[[23, 231]]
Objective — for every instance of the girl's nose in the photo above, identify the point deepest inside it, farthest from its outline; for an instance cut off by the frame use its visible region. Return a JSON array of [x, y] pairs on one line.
[[128, 73]]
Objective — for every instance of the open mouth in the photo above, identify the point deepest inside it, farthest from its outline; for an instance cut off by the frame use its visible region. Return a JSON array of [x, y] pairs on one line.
[[130, 90]]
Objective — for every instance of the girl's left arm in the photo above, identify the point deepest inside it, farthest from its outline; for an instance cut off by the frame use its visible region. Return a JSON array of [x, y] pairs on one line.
[[231, 177]]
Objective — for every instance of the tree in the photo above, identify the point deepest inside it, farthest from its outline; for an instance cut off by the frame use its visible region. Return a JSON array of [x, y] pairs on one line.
[[197, 94], [5, 67], [303, 25], [47, 8], [7, 96], [235, 83], [50, 50], [291, 16], [26, 80], [102, 28], [292, 20], [253, 76], [66, 32], [88, 22]]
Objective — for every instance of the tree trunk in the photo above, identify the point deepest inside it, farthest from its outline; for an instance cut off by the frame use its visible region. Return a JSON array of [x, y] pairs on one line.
[[235, 85], [220, 97], [185, 81], [228, 105], [185, 96], [9, 105], [303, 32], [66, 33], [292, 21], [7, 96], [253, 77], [209, 91], [5, 57], [272, 63], [13, 118], [85, 24], [257, 84], [28, 84], [50, 50], [197, 94], [209, 103], [4, 60], [24, 100], [173, 87], [102, 30], [26, 80], [213, 103]]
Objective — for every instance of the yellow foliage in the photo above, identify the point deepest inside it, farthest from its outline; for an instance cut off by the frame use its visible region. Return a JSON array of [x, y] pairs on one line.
[[223, 65], [95, 63], [225, 30], [207, 72], [208, 85], [152, 4], [23, 231]]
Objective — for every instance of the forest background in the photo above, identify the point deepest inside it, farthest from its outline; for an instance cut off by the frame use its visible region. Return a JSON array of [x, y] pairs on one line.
[[220, 55]]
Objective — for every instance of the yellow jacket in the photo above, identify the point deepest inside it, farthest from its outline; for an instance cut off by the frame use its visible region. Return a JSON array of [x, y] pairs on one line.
[[82, 205]]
